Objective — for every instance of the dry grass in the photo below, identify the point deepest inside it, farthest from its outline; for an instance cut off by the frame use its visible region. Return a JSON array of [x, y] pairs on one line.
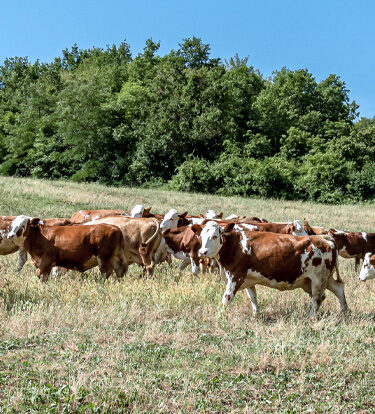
[[79, 344]]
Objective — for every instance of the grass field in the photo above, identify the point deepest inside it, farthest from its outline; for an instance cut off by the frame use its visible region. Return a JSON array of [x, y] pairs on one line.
[[78, 344]]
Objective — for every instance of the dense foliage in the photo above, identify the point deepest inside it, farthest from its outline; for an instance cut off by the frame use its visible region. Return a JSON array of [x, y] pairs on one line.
[[185, 120]]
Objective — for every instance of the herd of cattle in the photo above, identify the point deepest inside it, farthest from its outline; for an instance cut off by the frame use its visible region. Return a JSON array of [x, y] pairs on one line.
[[247, 250]]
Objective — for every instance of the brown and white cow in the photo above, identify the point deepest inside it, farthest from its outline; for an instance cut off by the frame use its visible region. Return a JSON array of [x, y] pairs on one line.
[[183, 244], [353, 244], [143, 239], [76, 247], [84, 216], [283, 262], [7, 246]]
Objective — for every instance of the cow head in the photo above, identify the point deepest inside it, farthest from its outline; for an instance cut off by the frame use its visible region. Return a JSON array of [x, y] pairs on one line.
[[137, 210], [170, 220], [211, 238], [211, 214], [19, 226], [368, 267], [296, 229], [147, 213], [232, 217]]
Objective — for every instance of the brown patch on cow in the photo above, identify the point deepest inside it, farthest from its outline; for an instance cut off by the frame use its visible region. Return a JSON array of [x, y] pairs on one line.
[[316, 261], [328, 263]]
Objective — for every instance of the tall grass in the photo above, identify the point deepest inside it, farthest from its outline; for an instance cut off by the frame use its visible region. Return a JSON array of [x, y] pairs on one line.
[[79, 344]]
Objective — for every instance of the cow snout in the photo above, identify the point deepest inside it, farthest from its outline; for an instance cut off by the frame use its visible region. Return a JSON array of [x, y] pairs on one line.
[[203, 252], [10, 236]]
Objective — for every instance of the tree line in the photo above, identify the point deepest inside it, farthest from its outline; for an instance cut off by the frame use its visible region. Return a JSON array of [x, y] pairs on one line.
[[186, 121]]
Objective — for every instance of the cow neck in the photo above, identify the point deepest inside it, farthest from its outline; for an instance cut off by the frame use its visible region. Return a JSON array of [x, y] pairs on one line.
[[229, 249], [30, 239]]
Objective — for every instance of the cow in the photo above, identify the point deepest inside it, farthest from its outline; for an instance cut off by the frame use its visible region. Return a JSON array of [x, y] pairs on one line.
[[76, 247], [353, 244], [143, 240], [283, 262], [84, 216], [7, 246], [368, 267], [183, 244]]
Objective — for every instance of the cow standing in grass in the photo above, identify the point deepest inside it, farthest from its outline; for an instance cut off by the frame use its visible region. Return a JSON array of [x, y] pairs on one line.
[[283, 262], [76, 247]]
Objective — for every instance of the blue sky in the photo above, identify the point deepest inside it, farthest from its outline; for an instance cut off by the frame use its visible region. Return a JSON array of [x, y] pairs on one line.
[[330, 36]]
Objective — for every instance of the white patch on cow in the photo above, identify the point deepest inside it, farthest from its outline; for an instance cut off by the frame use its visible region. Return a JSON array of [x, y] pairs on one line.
[[244, 239], [137, 210], [211, 214], [19, 223], [170, 220], [96, 218], [339, 232], [367, 269], [231, 217], [250, 227], [211, 239], [304, 259], [197, 220], [364, 235]]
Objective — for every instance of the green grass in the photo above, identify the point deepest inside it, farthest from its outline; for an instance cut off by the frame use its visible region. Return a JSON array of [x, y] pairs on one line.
[[79, 344]]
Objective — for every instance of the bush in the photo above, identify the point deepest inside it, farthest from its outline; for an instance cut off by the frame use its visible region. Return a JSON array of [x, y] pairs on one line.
[[193, 175]]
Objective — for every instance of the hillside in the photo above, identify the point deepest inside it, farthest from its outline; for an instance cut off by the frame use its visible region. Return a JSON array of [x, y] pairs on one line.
[[78, 344]]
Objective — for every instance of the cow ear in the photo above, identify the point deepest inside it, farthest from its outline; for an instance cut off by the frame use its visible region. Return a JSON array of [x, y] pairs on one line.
[[196, 228], [35, 221], [147, 210], [228, 228], [165, 232], [220, 215], [183, 215]]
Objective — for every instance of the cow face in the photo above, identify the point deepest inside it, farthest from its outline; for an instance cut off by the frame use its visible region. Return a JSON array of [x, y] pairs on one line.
[[212, 240], [296, 229], [137, 210], [368, 267], [18, 227], [170, 220]]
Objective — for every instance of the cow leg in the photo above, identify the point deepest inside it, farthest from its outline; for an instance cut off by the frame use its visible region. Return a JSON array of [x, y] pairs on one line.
[[120, 266], [194, 267], [183, 265], [43, 272], [252, 294], [231, 289], [22, 258], [357, 263], [317, 291], [213, 265], [105, 270], [337, 288], [202, 267]]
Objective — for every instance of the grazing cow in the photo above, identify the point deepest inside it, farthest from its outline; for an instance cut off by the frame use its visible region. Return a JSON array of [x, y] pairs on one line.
[[283, 262], [183, 244], [368, 267], [76, 247], [353, 244], [143, 239], [84, 216]]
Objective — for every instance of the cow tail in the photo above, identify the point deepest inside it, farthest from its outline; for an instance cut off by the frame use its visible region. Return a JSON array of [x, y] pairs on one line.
[[154, 235], [337, 268]]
